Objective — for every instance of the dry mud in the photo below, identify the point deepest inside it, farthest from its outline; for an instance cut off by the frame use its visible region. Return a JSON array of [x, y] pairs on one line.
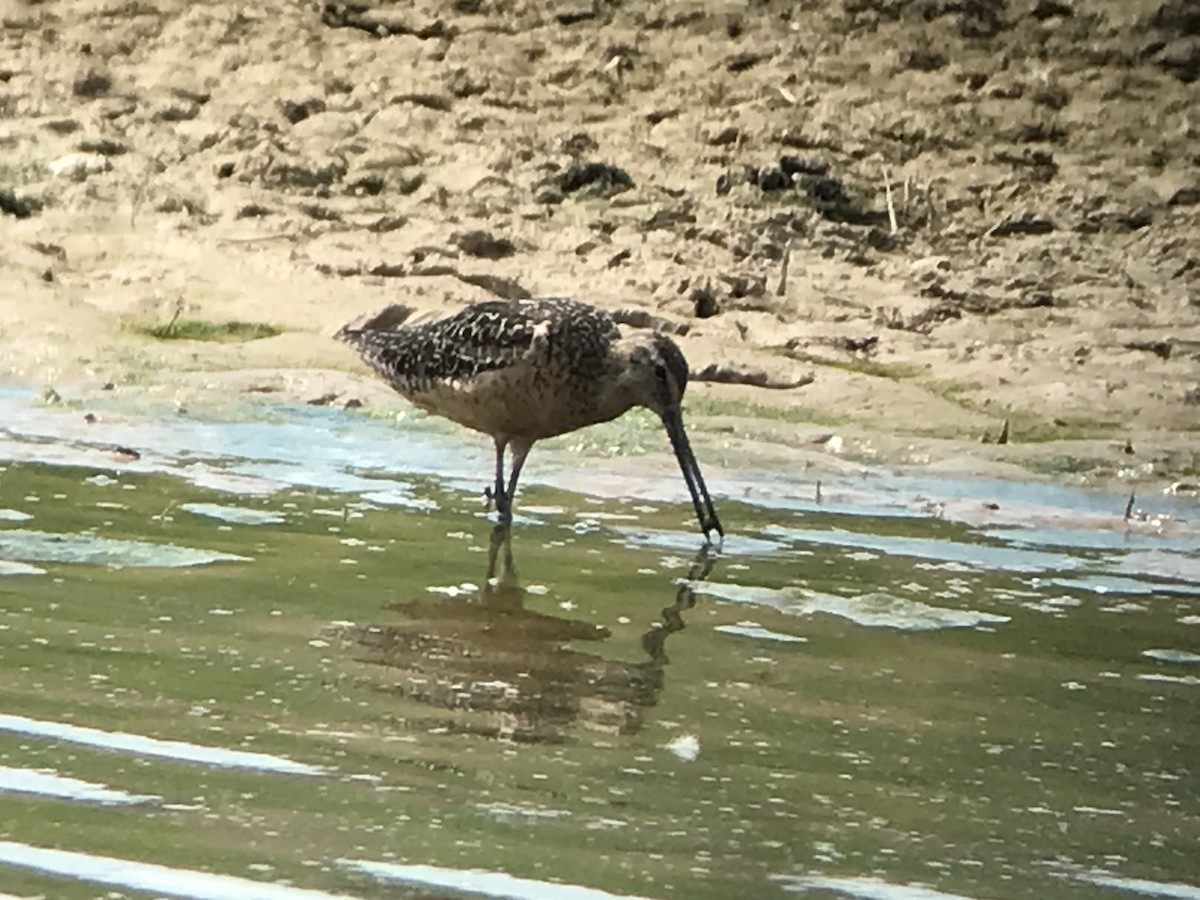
[[989, 210]]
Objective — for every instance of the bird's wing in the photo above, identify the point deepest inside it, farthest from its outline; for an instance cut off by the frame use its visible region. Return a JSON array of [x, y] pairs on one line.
[[484, 337]]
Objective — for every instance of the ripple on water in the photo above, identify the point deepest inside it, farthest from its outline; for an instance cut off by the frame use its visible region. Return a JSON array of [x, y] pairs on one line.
[[51, 784], [868, 888], [1056, 606], [1090, 539], [140, 876], [874, 610], [235, 515], [756, 631], [1173, 656], [508, 812], [1191, 680], [985, 556], [399, 497], [1161, 564], [7, 567], [44, 546], [1112, 584], [1173, 889], [339, 481], [148, 746], [481, 883], [690, 541]]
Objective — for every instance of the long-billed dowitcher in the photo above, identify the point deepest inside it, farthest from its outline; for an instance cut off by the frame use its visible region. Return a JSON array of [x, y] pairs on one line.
[[523, 370]]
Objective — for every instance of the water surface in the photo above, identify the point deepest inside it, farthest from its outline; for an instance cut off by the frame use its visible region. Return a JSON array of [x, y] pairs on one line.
[[285, 657]]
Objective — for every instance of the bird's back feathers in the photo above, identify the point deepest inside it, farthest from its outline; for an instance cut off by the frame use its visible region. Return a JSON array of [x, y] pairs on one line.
[[484, 337]]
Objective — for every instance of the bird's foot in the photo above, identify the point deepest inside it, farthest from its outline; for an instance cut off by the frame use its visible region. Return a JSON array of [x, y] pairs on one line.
[[708, 526], [497, 500]]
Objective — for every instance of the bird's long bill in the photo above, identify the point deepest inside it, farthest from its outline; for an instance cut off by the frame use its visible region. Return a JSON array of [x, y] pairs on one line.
[[673, 420]]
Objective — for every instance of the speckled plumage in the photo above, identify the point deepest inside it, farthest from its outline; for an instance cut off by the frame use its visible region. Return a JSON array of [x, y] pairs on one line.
[[523, 370]]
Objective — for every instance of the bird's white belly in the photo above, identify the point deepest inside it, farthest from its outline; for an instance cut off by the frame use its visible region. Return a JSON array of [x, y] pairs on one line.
[[512, 402]]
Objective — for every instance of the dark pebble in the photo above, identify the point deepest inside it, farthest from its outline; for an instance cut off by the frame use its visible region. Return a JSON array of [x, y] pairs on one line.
[[705, 303], [795, 165], [597, 176], [774, 179], [824, 188]]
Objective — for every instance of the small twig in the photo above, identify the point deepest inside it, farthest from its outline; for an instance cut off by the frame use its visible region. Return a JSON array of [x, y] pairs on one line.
[[931, 206], [987, 234], [170, 328], [887, 189], [1003, 437], [1129, 506], [783, 270], [818, 490], [715, 373]]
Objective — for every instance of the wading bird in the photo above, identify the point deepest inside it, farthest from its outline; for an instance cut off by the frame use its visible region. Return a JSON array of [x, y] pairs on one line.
[[523, 370]]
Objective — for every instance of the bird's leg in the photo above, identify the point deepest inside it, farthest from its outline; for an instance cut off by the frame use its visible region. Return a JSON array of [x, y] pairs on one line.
[[520, 451], [499, 539], [496, 493]]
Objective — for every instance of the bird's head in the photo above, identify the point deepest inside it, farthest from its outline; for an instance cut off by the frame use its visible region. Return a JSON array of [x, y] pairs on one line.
[[655, 376], [658, 373]]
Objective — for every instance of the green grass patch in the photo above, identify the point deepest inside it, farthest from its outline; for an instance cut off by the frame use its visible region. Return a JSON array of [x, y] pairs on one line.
[[1030, 428], [201, 330], [1027, 427], [1066, 465], [954, 391], [695, 407], [860, 366]]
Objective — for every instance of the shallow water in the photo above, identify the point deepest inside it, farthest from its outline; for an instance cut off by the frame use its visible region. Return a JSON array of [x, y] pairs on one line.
[[265, 659]]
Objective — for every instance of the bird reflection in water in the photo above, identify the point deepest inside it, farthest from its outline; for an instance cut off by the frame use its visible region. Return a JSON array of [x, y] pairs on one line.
[[494, 667]]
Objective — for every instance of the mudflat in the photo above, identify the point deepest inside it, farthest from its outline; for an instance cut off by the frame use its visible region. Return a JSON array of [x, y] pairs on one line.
[[877, 229]]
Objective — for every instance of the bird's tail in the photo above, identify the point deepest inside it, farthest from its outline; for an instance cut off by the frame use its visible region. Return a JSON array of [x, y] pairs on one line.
[[390, 318]]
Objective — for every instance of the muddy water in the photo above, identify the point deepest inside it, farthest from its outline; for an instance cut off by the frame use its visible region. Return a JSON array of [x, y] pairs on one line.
[[266, 659]]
